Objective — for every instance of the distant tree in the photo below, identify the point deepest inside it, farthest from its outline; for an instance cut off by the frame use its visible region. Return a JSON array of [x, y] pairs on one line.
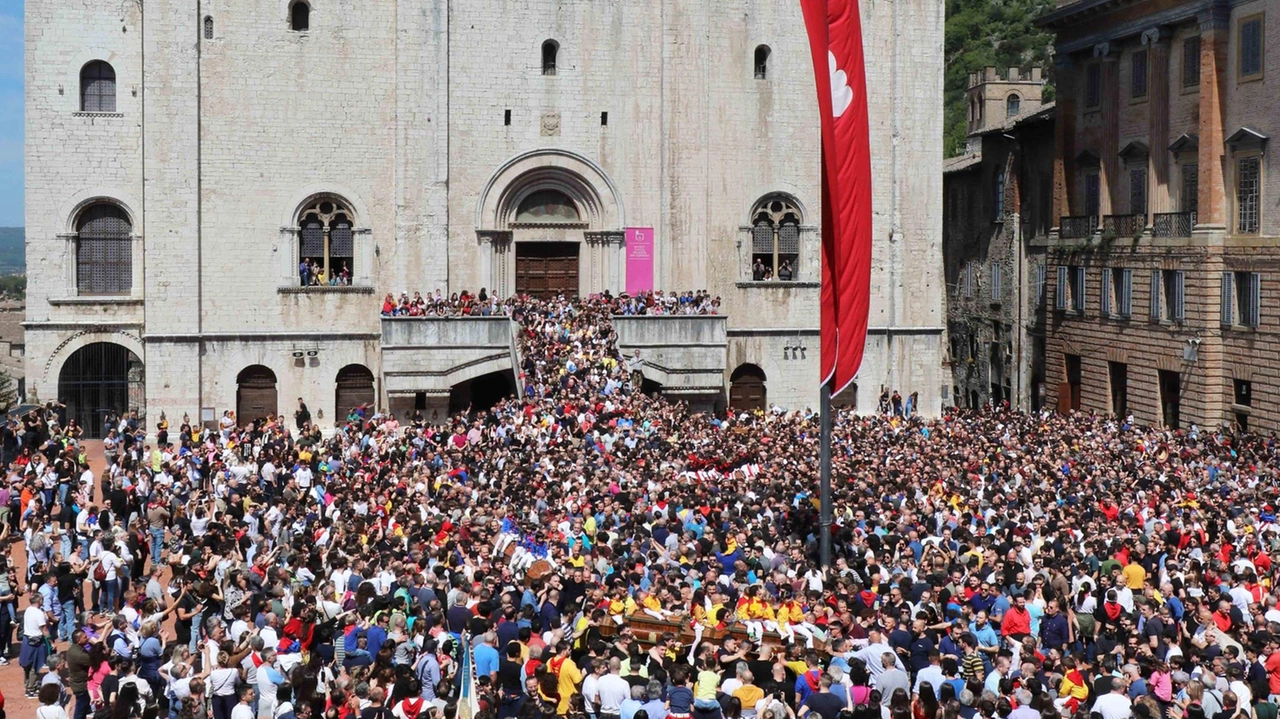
[[8, 392], [996, 33], [13, 287]]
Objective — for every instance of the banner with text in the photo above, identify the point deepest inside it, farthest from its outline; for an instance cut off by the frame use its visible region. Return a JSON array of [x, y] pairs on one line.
[[639, 259]]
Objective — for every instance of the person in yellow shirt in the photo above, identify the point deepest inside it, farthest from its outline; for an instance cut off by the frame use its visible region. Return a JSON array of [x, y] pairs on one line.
[[1134, 576], [568, 676]]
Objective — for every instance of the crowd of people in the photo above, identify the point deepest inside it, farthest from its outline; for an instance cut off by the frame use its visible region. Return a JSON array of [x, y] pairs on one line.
[[988, 564], [465, 304]]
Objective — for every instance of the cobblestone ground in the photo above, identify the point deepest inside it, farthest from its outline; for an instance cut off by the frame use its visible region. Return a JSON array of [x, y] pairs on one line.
[[16, 704]]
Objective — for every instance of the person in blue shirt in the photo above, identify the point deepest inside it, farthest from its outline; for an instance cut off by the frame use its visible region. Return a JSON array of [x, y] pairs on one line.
[[988, 639], [487, 658]]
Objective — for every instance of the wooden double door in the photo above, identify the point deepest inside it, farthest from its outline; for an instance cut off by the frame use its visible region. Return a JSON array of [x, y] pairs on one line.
[[547, 269]]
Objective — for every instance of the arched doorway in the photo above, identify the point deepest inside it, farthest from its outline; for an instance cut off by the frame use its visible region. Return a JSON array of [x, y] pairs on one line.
[[255, 393], [99, 379], [355, 388], [481, 393], [746, 388]]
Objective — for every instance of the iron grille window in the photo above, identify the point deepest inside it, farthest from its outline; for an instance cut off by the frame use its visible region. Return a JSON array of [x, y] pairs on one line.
[[208, 27], [1138, 74], [1191, 62], [999, 198], [1138, 191], [1248, 170], [97, 87], [1250, 42], [104, 251], [775, 240], [1104, 297], [1093, 85]]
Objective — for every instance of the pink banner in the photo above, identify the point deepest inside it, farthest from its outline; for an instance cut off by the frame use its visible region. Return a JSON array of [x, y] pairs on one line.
[[639, 260]]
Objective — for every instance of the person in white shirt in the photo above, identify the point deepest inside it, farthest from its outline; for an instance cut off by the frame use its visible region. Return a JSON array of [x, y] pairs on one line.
[[34, 651], [612, 690], [244, 709], [1115, 704]]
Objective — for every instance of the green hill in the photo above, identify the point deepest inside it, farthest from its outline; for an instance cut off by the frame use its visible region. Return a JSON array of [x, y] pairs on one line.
[[997, 33], [13, 251]]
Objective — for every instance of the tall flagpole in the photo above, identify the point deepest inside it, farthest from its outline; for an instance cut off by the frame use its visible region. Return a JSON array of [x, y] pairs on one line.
[[824, 459]]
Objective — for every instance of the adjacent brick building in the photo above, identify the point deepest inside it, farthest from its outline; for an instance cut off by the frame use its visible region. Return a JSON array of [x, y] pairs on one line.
[[997, 199], [1164, 252]]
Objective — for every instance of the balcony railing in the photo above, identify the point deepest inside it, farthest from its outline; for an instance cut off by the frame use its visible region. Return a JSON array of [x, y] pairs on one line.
[[1172, 224], [1077, 227], [1124, 225]]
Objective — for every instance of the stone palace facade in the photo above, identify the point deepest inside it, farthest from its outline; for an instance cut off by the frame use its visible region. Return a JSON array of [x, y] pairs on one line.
[[184, 161]]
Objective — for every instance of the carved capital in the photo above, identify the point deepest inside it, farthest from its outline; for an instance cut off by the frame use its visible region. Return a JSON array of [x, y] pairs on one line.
[[497, 238]]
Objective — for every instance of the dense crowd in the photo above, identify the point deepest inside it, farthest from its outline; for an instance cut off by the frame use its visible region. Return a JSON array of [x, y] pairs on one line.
[[988, 564], [465, 304]]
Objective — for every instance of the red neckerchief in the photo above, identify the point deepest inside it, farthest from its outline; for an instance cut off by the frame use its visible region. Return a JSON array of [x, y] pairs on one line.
[[555, 664], [257, 660]]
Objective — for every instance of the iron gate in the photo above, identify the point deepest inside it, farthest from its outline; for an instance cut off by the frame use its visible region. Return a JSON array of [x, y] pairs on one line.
[[97, 380]]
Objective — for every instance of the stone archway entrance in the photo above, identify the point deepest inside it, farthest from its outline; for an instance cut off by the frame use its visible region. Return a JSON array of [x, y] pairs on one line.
[[255, 394], [100, 379], [747, 389]]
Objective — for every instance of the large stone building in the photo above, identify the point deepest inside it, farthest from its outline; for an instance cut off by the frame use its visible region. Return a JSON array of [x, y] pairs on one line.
[[185, 159], [997, 202], [1165, 243]]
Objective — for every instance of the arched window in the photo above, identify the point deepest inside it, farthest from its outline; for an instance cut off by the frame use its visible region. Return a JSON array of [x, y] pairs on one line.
[[300, 16], [547, 207], [775, 239], [762, 62], [1012, 105], [208, 27], [104, 251], [326, 243], [550, 49], [747, 388], [97, 87]]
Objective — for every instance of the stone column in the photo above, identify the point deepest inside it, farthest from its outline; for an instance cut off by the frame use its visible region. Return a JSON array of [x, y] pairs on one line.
[[496, 260], [1064, 131], [1215, 25], [593, 279], [616, 252], [1157, 44], [1108, 176]]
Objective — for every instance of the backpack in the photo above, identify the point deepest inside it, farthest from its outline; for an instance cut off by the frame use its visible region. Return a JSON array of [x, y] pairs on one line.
[[99, 573]]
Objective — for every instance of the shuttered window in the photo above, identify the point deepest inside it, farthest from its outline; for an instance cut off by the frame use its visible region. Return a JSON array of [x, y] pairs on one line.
[[1126, 293], [1105, 297], [997, 280], [1138, 79], [1191, 61], [1155, 296], [1248, 300], [104, 251], [1060, 292], [1254, 317], [1179, 295], [1078, 291], [1226, 302]]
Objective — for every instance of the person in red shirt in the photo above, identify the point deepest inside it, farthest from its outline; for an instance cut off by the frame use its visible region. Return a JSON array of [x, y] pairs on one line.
[[1017, 621]]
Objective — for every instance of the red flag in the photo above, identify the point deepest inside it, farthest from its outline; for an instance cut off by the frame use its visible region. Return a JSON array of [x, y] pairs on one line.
[[835, 40]]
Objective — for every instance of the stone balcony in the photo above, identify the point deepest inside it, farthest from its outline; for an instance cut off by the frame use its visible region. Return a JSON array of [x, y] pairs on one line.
[[432, 355], [684, 355]]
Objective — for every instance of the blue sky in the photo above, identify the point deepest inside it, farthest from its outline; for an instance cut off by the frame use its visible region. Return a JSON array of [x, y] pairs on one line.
[[11, 113]]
